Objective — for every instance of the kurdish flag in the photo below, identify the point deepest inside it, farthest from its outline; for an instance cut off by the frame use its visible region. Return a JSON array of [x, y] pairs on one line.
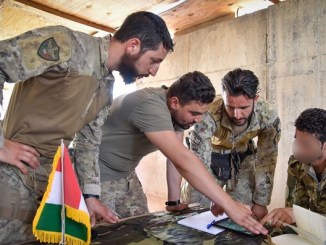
[[62, 216]]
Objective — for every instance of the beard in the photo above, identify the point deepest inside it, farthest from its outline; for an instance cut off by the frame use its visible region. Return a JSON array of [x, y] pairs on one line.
[[242, 121], [128, 70]]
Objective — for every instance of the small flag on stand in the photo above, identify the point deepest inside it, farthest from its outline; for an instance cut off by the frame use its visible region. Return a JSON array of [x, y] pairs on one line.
[[62, 216]]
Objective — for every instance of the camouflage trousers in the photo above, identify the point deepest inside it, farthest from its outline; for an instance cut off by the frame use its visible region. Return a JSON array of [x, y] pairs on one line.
[[124, 196], [243, 191], [20, 198]]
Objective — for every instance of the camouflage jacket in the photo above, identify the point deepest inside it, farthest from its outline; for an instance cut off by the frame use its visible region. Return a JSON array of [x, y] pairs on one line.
[[215, 132], [69, 64], [303, 187]]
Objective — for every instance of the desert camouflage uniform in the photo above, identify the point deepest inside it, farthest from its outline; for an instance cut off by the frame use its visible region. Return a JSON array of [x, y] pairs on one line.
[[254, 180], [63, 85], [303, 187]]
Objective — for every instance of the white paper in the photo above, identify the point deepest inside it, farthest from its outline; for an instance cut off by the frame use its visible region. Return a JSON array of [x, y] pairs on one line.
[[307, 236], [287, 239], [310, 222], [311, 228], [200, 222]]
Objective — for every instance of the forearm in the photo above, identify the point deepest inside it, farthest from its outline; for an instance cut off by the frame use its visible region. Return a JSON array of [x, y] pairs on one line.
[[267, 150], [173, 181], [264, 179], [86, 145], [85, 158], [173, 176]]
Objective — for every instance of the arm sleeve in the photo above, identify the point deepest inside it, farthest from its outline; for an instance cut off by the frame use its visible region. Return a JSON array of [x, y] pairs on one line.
[[296, 193], [86, 146], [267, 151], [200, 140]]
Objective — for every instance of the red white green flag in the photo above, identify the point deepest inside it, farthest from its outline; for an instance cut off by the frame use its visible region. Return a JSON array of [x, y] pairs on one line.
[[62, 216]]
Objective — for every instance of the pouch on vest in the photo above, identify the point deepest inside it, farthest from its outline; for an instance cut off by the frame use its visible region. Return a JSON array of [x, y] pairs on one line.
[[220, 165]]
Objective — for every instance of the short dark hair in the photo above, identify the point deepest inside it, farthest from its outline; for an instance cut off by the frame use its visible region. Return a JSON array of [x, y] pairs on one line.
[[149, 28], [313, 121], [193, 86], [241, 82]]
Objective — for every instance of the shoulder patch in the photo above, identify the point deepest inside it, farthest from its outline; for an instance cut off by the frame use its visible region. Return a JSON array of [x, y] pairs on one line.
[[39, 51], [49, 50]]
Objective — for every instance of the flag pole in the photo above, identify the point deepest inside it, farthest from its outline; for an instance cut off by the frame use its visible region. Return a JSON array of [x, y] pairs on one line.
[[63, 213]]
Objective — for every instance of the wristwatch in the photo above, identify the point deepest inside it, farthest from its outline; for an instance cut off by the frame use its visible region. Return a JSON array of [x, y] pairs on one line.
[[90, 195], [172, 203]]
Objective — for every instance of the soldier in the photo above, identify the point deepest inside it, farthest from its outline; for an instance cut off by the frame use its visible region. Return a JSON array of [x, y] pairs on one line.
[[306, 183], [224, 143], [65, 85], [142, 122]]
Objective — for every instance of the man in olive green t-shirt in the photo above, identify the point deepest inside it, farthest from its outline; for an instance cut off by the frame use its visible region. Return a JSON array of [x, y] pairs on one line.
[[124, 140]]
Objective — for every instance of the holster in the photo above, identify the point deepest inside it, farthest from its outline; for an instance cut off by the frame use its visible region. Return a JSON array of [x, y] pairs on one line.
[[221, 163]]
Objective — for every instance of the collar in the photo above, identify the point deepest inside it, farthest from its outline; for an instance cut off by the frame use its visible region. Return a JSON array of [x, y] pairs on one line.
[[309, 169], [104, 51]]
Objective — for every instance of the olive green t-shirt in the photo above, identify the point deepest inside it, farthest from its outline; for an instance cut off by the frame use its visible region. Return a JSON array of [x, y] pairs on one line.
[[124, 143]]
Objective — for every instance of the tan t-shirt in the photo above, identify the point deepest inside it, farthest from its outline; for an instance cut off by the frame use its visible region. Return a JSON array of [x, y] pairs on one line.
[[124, 142]]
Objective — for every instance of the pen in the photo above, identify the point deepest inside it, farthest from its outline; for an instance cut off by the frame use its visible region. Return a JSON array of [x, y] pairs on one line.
[[210, 224]]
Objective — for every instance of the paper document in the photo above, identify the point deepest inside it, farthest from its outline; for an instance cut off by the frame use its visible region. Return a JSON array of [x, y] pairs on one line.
[[200, 222], [311, 228]]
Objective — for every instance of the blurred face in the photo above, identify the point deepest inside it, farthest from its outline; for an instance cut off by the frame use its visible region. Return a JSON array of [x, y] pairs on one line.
[[187, 115], [238, 108], [135, 64], [307, 148]]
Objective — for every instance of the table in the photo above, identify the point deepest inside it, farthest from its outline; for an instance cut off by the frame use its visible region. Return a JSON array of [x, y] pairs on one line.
[[162, 228]]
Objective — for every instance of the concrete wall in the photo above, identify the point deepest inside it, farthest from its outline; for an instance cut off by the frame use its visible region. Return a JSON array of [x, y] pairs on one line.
[[283, 45]]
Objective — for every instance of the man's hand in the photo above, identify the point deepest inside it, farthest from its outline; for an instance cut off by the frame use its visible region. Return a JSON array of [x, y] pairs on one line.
[[19, 155], [259, 211], [97, 209], [179, 207], [241, 214], [279, 216], [216, 209]]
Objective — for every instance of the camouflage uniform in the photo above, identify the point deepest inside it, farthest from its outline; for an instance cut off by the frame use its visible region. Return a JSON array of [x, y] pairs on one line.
[[125, 196], [63, 87], [254, 180], [303, 187]]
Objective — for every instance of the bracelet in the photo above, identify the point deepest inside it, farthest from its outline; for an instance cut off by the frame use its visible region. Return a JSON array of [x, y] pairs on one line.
[[90, 195], [172, 203]]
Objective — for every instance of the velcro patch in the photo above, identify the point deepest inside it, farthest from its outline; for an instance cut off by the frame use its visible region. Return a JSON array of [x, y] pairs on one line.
[[45, 51], [49, 50]]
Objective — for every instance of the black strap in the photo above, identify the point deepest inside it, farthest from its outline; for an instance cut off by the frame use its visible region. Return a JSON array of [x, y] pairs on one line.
[[172, 203]]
